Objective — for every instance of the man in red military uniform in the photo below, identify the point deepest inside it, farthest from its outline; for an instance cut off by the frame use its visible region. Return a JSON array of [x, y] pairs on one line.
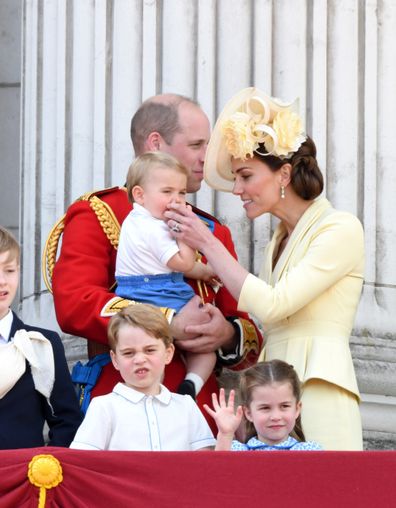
[[83, 277]]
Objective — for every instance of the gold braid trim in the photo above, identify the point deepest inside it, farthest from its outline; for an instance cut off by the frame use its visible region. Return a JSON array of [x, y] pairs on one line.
[[48, 258], [107, 219], [117, 303]]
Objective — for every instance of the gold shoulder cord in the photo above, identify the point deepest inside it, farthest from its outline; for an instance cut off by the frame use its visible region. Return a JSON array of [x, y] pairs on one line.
[[50, 250], [107, 220], [111, 228]]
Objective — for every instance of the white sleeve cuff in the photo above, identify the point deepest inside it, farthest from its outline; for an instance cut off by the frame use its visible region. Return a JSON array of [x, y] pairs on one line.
[[239, 350]]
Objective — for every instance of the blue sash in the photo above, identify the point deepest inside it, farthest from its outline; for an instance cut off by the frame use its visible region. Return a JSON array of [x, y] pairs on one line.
[[85, 377]]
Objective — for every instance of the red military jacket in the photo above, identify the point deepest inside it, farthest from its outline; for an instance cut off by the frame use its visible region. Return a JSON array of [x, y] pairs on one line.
[[84, 275]]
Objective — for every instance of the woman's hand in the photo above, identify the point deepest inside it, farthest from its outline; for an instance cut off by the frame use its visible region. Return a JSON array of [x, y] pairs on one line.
[[189, 228], [184, 225]]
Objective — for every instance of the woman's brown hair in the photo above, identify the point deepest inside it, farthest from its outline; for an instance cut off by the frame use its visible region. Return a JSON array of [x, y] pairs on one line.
[[306, 177]]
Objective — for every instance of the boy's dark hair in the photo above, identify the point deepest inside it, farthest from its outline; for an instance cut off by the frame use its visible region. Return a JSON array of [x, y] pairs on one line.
[[266, 373], [9, 243], [141, 315]]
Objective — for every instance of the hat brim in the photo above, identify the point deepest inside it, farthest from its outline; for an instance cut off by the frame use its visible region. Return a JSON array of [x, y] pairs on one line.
[[217, 166]]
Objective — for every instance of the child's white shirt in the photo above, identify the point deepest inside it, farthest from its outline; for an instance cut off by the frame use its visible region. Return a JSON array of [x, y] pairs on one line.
[[127, 419], [145, 245]]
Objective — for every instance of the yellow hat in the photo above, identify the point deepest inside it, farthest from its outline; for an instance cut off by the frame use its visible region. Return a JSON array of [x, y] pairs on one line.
[[250, 119]]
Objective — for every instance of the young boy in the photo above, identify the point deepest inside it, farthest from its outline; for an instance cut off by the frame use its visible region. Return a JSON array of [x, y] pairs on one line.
[[141, 413], [35, 384], [150, 262]]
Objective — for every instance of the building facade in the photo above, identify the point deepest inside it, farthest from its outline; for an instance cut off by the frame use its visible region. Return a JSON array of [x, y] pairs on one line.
[[87, 65]]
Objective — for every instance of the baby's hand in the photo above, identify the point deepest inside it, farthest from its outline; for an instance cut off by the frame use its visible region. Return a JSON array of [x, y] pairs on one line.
[[207, 272], [209, 276], [223, 412]]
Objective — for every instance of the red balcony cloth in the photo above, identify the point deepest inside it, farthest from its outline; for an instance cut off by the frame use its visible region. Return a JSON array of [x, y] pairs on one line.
[[106, 479]]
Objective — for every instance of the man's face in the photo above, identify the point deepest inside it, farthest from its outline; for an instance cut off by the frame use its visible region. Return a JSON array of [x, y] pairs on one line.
[[189, 145]]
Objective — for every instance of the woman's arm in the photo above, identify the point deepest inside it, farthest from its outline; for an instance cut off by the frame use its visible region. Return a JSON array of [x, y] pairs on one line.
[[332, 263], [197, 235], [334, 250]]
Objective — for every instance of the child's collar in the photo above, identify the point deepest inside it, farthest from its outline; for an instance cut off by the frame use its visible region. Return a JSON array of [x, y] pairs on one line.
[[136, 396]]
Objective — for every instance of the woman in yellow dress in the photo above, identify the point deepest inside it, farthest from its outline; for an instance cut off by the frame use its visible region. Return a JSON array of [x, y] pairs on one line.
[[309, 286]]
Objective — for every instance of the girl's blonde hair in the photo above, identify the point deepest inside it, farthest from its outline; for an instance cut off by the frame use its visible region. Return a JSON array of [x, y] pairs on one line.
[[266, 373]]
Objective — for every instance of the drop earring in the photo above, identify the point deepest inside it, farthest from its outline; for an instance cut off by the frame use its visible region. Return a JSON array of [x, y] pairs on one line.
[[282, 192]]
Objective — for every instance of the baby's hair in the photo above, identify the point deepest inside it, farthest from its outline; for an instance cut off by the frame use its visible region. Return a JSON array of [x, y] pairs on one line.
[[266, 373], [8, 243], [140, 169], [144, 316]]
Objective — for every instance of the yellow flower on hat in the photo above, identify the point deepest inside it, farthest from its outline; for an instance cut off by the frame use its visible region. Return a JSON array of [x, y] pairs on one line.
[[269, 122], [251, 123], [288, 128], [239, 136]]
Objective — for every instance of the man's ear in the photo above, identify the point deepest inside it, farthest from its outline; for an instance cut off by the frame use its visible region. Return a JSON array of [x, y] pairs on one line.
[[154, 142], [138, 194]]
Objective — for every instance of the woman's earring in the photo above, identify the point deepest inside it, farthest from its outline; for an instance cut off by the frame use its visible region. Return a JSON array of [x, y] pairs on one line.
[[282, 192]]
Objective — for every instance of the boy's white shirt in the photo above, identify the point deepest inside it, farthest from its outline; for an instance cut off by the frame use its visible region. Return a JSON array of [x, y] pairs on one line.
[[131, 420], [37, 350]]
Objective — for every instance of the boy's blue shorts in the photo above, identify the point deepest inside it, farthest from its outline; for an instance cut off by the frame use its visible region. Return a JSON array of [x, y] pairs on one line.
[[163, 290]]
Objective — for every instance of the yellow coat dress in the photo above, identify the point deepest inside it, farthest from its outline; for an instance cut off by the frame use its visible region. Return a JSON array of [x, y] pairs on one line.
[[307, 303]]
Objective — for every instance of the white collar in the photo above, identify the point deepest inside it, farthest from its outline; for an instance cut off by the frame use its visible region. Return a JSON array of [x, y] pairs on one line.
[[135, 396], [5, 327], [141, 211]]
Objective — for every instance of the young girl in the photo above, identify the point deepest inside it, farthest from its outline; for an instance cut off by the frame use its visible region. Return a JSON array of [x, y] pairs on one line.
[[271, 406], [151, 264]]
